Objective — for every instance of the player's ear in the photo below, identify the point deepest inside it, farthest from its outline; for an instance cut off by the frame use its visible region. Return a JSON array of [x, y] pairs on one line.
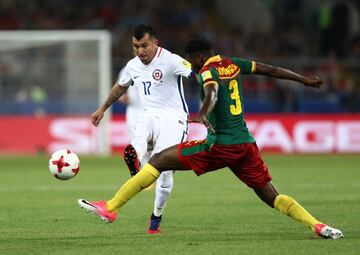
[[156, 42]]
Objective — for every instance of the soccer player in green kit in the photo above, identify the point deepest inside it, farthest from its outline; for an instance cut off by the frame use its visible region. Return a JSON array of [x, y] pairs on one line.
[[228, 142]]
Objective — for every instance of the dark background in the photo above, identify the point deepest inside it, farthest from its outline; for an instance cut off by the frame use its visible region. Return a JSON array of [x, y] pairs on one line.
[[310, 37]]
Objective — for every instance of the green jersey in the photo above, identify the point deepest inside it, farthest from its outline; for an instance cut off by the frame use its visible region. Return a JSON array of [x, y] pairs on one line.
[[227, 117]]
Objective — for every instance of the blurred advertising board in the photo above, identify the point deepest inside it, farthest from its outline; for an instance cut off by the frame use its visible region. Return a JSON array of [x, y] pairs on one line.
[[279, 133]]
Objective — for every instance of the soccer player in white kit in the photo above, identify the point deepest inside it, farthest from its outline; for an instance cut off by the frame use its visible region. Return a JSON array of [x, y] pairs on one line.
[[157, 74], [134, 110]]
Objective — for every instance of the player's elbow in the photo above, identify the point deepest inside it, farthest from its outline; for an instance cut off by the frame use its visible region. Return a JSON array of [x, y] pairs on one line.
[[265, 69]]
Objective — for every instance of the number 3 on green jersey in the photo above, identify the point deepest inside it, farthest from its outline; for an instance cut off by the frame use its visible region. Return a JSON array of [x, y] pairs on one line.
[[235, 108]]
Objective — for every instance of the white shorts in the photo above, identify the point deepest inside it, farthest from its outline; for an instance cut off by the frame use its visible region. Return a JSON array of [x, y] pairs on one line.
[[133, 114], [163, 131]]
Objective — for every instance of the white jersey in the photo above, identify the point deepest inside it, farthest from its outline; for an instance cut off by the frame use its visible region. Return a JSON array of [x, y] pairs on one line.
[[159, 83], [133, 98]]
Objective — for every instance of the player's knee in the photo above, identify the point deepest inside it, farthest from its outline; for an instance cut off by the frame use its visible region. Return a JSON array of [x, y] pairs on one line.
[[271, 199], [157, 161], [267, 194]]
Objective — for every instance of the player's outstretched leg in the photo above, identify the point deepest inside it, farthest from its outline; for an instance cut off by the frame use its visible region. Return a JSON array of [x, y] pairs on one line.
[[292, 208], [167, 159], [107, 210], [289, 206], [131, 159]]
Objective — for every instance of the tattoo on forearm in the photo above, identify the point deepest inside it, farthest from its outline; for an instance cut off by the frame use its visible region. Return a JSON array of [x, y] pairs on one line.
[[115, 95]]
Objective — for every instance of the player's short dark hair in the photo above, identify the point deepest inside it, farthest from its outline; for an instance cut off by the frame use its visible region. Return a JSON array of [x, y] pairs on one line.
[[141, 30], [198, 45]]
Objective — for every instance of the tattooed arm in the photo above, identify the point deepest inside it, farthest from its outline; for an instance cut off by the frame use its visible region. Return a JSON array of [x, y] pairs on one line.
[[116, 92]]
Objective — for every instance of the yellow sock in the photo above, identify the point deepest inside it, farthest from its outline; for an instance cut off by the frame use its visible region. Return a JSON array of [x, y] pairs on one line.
[[146, 176], [151, 187], [287, 205]]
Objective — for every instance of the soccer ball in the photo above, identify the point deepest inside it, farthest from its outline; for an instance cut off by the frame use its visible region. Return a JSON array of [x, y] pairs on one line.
[[64, 164]]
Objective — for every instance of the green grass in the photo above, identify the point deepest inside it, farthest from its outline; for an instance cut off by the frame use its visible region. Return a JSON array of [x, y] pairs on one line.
[[212, 214]]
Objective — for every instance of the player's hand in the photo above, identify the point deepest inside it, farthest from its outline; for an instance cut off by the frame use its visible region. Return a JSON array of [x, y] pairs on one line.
[[203, 120], [313, 81], [96, 117]]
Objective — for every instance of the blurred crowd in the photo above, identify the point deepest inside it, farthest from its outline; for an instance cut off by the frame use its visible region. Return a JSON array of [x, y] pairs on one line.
[[309, 38]]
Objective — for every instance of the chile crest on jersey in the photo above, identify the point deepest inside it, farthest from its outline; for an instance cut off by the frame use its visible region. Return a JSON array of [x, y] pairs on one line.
[[157, 74]]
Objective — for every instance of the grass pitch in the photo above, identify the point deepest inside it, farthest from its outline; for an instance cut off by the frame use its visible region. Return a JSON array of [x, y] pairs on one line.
[[212, 214]]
